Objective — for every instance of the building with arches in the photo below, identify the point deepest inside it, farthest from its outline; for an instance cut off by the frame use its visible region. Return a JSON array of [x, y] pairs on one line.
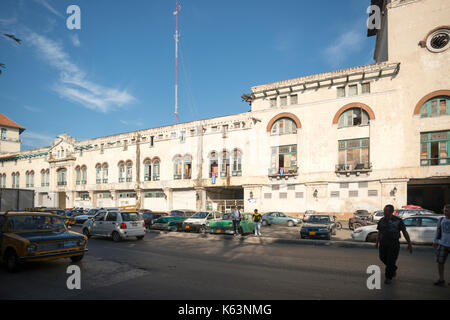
[[334, 142]]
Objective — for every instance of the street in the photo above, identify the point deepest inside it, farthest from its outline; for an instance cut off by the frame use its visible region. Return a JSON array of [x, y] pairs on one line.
[[159, 267]]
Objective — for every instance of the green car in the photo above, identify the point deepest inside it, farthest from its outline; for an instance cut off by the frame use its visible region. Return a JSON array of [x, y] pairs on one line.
[[173, 222], [226, 225], [279, 218]]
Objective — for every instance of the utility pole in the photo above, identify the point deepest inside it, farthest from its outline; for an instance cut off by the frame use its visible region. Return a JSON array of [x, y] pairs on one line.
[[177, 37]]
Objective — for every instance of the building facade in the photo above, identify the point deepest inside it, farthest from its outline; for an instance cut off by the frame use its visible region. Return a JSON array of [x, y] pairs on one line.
[[335, 142]]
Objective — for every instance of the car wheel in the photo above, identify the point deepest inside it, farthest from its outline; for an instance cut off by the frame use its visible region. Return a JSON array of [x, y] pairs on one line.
[[12, 261], [290, 224], [140, 237], [116, 236], [173, 228], [86, 232], [77, 258], [265, 223], [371, 237]]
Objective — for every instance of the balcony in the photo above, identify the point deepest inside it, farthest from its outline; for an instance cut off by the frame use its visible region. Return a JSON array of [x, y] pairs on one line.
[[237, 173], [357, 169], [177, 176], [121, 180], [62, 183], [155, 178], [146, 178], [285, 173], [435, 162]]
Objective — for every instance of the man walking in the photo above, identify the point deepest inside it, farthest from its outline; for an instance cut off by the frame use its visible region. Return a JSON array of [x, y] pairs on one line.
[[388, 243], [236, 217], [442, 243], [257, 222]]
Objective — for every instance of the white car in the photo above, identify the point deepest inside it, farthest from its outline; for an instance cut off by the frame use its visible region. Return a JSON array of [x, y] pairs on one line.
[[117, 225], [421, 229], [197, 223], [377, 215]]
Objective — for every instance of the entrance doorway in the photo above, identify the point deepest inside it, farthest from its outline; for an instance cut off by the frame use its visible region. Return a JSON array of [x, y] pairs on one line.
[[62, 200], [224, 199], [432, 196]]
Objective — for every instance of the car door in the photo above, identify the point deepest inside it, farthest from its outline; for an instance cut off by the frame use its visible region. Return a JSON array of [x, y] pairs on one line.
[[281, 218], [271, 217], [110, 223], [413, 228], [427, 228], [97, 223]]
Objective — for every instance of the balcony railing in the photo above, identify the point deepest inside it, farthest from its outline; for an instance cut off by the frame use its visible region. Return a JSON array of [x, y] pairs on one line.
[[236, 173], [435, 162], [62, 183], [146, 178], [121, 180], [155, 178], [283, 172], [187, 176], [105, 180], [177, 176], [129, 179], [355, 168], [83, 181], [98, 181]]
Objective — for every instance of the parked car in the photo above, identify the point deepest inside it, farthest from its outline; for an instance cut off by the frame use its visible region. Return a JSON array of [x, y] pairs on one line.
[[149, 217], [117, 225], [270, 218], [225, 225], [308, 213], [421, 229], [197, 223], [80, 219], [318, 226], [377, 215], [76, 212], [172, 222], [37, 236], [405, 213], [360, 218]]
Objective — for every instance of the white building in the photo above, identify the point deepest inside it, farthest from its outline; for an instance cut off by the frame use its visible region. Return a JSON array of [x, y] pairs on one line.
[[334, 142]]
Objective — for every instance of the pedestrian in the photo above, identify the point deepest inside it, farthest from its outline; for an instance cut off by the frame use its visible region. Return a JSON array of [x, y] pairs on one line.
[[388, 243], [257, 217], [442, 243], [236, 217]]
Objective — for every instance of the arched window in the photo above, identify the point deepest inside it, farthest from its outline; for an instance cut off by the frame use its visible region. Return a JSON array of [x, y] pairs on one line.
[[13, 180], [78, 175], [283, 126], [213, 164], [187, 167], [353, 117], [121, 171], [27, 179], [156, 164], [129, 166], [225, 164], [83, 175], [147, 169], [237, 163], [105, 173], [3, 180], [177, 167], [17, 180], [438, 106], [98, 169], [47, 178], [62, 176], [31, 179]]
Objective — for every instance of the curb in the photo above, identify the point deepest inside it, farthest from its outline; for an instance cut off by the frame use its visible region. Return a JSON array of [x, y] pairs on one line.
[[263, 241]]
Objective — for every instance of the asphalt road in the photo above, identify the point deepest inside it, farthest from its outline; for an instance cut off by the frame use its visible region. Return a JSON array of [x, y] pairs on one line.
[[159, 267]]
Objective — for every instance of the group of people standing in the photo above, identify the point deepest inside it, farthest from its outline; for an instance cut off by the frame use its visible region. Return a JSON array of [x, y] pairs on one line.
[[236, 216]]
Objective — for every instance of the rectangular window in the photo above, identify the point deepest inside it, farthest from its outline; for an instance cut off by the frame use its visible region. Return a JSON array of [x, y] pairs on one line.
[[152, 141], [273, 102], [267, 196], [299, 195], [294, 99], [434, 148], [365, 88], [102, 148], [372, 193], [275, 187], [334, 194], [353, 90], [353, 193], [284, 159], [343, 185], [283, 101], [341, 92], [3, 134], [283, 195], [354, 153], [291, 187], [364, 184], [125, 145]]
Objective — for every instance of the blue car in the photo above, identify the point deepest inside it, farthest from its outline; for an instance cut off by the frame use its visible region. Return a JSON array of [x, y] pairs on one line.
[[319, 226]]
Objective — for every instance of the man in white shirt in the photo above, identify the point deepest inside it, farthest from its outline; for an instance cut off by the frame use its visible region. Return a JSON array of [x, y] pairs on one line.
[[442, 244]]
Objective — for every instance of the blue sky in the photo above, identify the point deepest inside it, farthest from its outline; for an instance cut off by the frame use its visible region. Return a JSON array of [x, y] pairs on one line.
[[116, 74]]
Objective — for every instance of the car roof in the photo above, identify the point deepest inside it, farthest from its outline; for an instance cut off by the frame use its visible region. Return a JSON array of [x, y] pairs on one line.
[[426, 216]]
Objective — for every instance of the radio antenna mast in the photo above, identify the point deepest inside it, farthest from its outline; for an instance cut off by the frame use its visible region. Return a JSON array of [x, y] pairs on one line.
[[177, 37]]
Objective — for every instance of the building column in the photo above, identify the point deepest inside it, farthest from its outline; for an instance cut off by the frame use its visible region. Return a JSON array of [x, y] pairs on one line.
[[169, 198], [200, 194]]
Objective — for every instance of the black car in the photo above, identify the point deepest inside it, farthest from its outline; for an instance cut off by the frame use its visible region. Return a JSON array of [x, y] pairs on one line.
[[319, 226], [149, 216]]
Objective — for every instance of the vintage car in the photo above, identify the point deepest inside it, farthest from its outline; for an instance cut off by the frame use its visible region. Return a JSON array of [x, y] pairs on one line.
[[318, 226], [173, 222], [225, 225], [150, 217], [37, 236]]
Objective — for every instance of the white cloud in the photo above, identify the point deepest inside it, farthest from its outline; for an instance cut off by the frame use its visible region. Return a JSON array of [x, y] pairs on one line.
[[75, 40], [132, 123], [46, 5], [8, 21], [32, 109], [348, 43], [73, 83], [35, 140]]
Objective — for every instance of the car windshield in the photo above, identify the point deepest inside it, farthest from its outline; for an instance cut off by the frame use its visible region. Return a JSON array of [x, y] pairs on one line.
[[130, 216], [176, 213], [226, 216], [319, 219], [92, 212], [34, 223], [200, 215]]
